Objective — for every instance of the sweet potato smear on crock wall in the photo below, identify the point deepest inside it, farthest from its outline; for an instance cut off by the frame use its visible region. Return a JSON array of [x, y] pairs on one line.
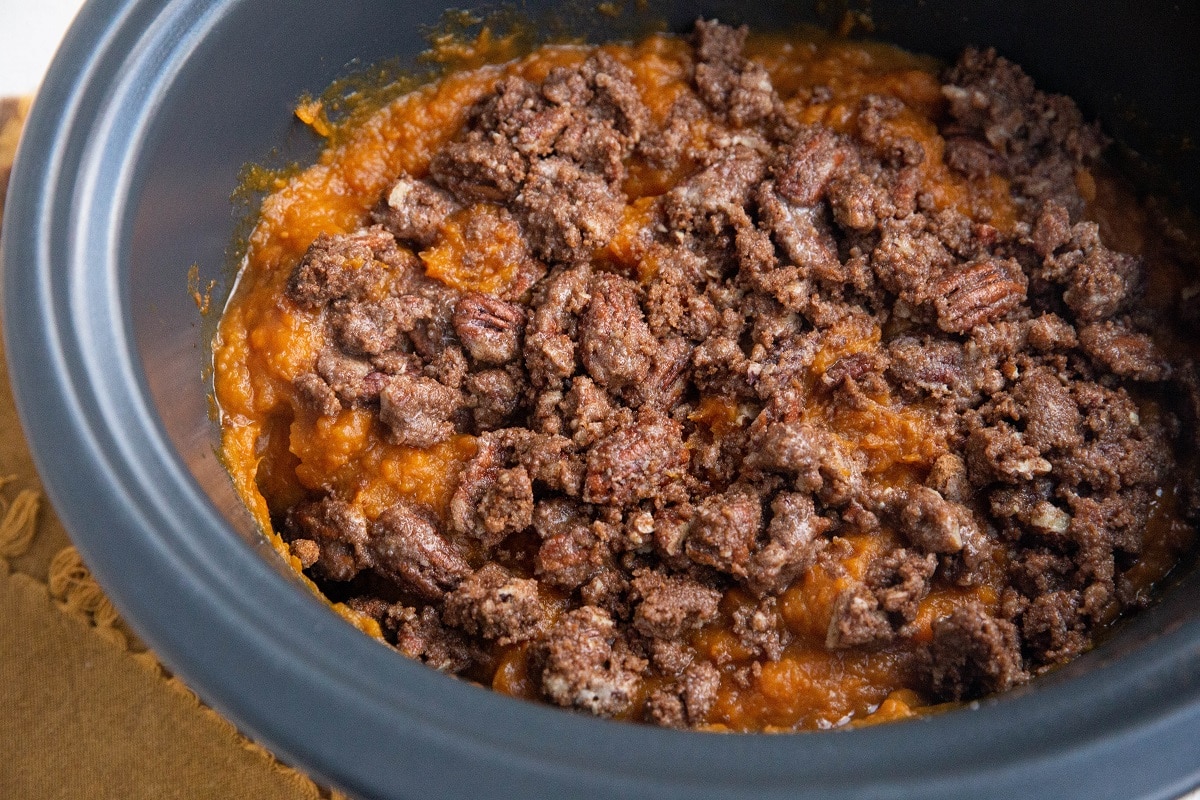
[[753, 385]]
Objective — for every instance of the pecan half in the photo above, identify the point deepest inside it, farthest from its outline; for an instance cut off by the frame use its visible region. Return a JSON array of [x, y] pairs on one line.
[[490, 329], [979, 293]]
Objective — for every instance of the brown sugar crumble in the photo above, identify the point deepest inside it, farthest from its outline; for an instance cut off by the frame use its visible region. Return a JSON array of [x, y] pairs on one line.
[[723, 384]]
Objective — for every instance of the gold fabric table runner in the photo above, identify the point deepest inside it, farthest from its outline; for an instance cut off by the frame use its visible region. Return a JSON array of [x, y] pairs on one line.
[[86, 710]]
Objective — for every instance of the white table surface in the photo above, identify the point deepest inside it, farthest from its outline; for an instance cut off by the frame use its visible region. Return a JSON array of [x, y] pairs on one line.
[[30, 31]]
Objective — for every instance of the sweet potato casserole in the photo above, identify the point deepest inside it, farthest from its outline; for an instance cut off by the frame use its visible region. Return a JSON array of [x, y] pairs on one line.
[[764, 384]]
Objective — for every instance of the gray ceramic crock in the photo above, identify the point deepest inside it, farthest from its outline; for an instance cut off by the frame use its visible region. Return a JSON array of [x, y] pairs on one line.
[[123, 183]]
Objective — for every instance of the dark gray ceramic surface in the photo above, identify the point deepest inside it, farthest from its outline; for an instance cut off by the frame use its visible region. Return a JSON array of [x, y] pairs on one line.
[[123, 183]]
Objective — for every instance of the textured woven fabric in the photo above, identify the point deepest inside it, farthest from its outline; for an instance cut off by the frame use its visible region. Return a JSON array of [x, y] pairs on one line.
[[86, 711]]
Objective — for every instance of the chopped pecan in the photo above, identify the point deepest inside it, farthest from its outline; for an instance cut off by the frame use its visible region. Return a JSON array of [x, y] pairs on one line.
[[405, 546], [636, 462], [352, 379], [851, 368], [418, 411], [1130, 353], [857, 621], [413, 210], [496, 605], [588, 666], [330, 536], [934, 524]]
